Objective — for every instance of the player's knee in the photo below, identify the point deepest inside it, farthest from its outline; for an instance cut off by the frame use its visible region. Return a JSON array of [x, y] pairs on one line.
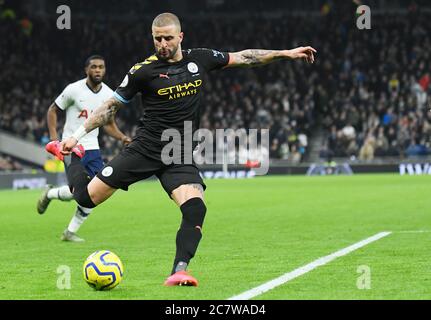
[[194, 211], [99, 191], [83, 198], [77, 177]]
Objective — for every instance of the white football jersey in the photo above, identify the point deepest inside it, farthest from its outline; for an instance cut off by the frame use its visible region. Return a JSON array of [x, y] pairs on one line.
[[78, 101]]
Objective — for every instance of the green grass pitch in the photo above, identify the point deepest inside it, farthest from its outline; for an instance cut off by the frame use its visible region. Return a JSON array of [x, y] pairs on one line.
[[255, 231]]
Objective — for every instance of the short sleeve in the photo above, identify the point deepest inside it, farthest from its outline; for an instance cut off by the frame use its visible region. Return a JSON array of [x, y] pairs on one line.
[[210, 59], [65, 99], [131, 84]]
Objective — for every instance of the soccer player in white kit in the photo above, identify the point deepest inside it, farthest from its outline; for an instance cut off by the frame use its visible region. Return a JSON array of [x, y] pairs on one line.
[[78, 100]]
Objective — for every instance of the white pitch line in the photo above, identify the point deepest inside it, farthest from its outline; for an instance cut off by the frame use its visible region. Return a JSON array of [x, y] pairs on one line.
[[307, 268]]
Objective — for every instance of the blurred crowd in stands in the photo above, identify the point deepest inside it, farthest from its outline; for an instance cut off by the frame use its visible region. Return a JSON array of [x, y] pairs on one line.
[[7, 163], [368, 89], [376, 98]]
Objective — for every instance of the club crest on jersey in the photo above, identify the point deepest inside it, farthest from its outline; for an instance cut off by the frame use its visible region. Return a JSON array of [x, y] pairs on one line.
[[192, 67]]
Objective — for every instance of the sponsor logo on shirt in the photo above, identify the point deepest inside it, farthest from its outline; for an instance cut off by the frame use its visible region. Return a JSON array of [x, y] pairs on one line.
[[180, 90], [162, 75], [83, 114]]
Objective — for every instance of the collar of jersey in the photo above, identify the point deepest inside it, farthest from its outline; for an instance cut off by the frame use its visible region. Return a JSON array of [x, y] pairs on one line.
[[95, 92], [173, 63]]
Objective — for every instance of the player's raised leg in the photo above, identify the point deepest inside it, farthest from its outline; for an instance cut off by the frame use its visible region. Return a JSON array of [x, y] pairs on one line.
[[62, 193], [50, 193], [86, 191], [93, 163], [190, 199]]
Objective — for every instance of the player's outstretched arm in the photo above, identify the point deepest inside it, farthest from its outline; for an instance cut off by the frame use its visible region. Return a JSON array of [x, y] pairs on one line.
[[257, 57], [102, 115], [99, 117]]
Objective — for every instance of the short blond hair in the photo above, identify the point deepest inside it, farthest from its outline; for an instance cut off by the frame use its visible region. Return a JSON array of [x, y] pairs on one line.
[[167, 19]]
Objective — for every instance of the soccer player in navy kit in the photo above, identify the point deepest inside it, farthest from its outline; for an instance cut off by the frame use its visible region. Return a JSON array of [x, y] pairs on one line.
[[170, 82]]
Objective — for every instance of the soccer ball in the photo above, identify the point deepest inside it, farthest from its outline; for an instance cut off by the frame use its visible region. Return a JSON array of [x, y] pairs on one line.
[[103, 270]]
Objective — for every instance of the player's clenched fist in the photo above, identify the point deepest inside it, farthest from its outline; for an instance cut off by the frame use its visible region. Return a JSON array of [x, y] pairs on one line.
[[67, 145]]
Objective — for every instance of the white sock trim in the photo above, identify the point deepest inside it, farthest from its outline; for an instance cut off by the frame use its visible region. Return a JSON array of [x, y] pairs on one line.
[[77, 219], [61, 193]]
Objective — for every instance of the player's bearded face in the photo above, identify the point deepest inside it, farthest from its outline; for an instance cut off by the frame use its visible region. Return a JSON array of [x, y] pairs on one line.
[[166, 41], [96, 71]]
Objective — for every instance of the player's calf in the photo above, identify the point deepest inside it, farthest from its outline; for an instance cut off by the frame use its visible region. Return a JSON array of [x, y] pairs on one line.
[[78, 219], [190, 232]]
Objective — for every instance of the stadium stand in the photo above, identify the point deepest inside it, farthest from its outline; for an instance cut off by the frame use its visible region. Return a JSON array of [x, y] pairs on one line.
[[9, 164], [371, 103]]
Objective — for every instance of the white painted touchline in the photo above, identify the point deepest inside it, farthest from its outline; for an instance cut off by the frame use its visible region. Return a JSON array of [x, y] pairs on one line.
[[307, 268]]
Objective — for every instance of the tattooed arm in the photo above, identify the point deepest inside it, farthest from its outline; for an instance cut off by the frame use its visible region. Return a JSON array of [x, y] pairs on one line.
[[256, 57], [101, 116]]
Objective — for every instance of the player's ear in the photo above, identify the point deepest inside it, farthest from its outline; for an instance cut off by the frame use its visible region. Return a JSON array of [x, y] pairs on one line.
[[181, 36]]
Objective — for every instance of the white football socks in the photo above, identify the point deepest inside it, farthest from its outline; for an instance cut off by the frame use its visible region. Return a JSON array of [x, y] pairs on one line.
[[61, 193], [78, 218]]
